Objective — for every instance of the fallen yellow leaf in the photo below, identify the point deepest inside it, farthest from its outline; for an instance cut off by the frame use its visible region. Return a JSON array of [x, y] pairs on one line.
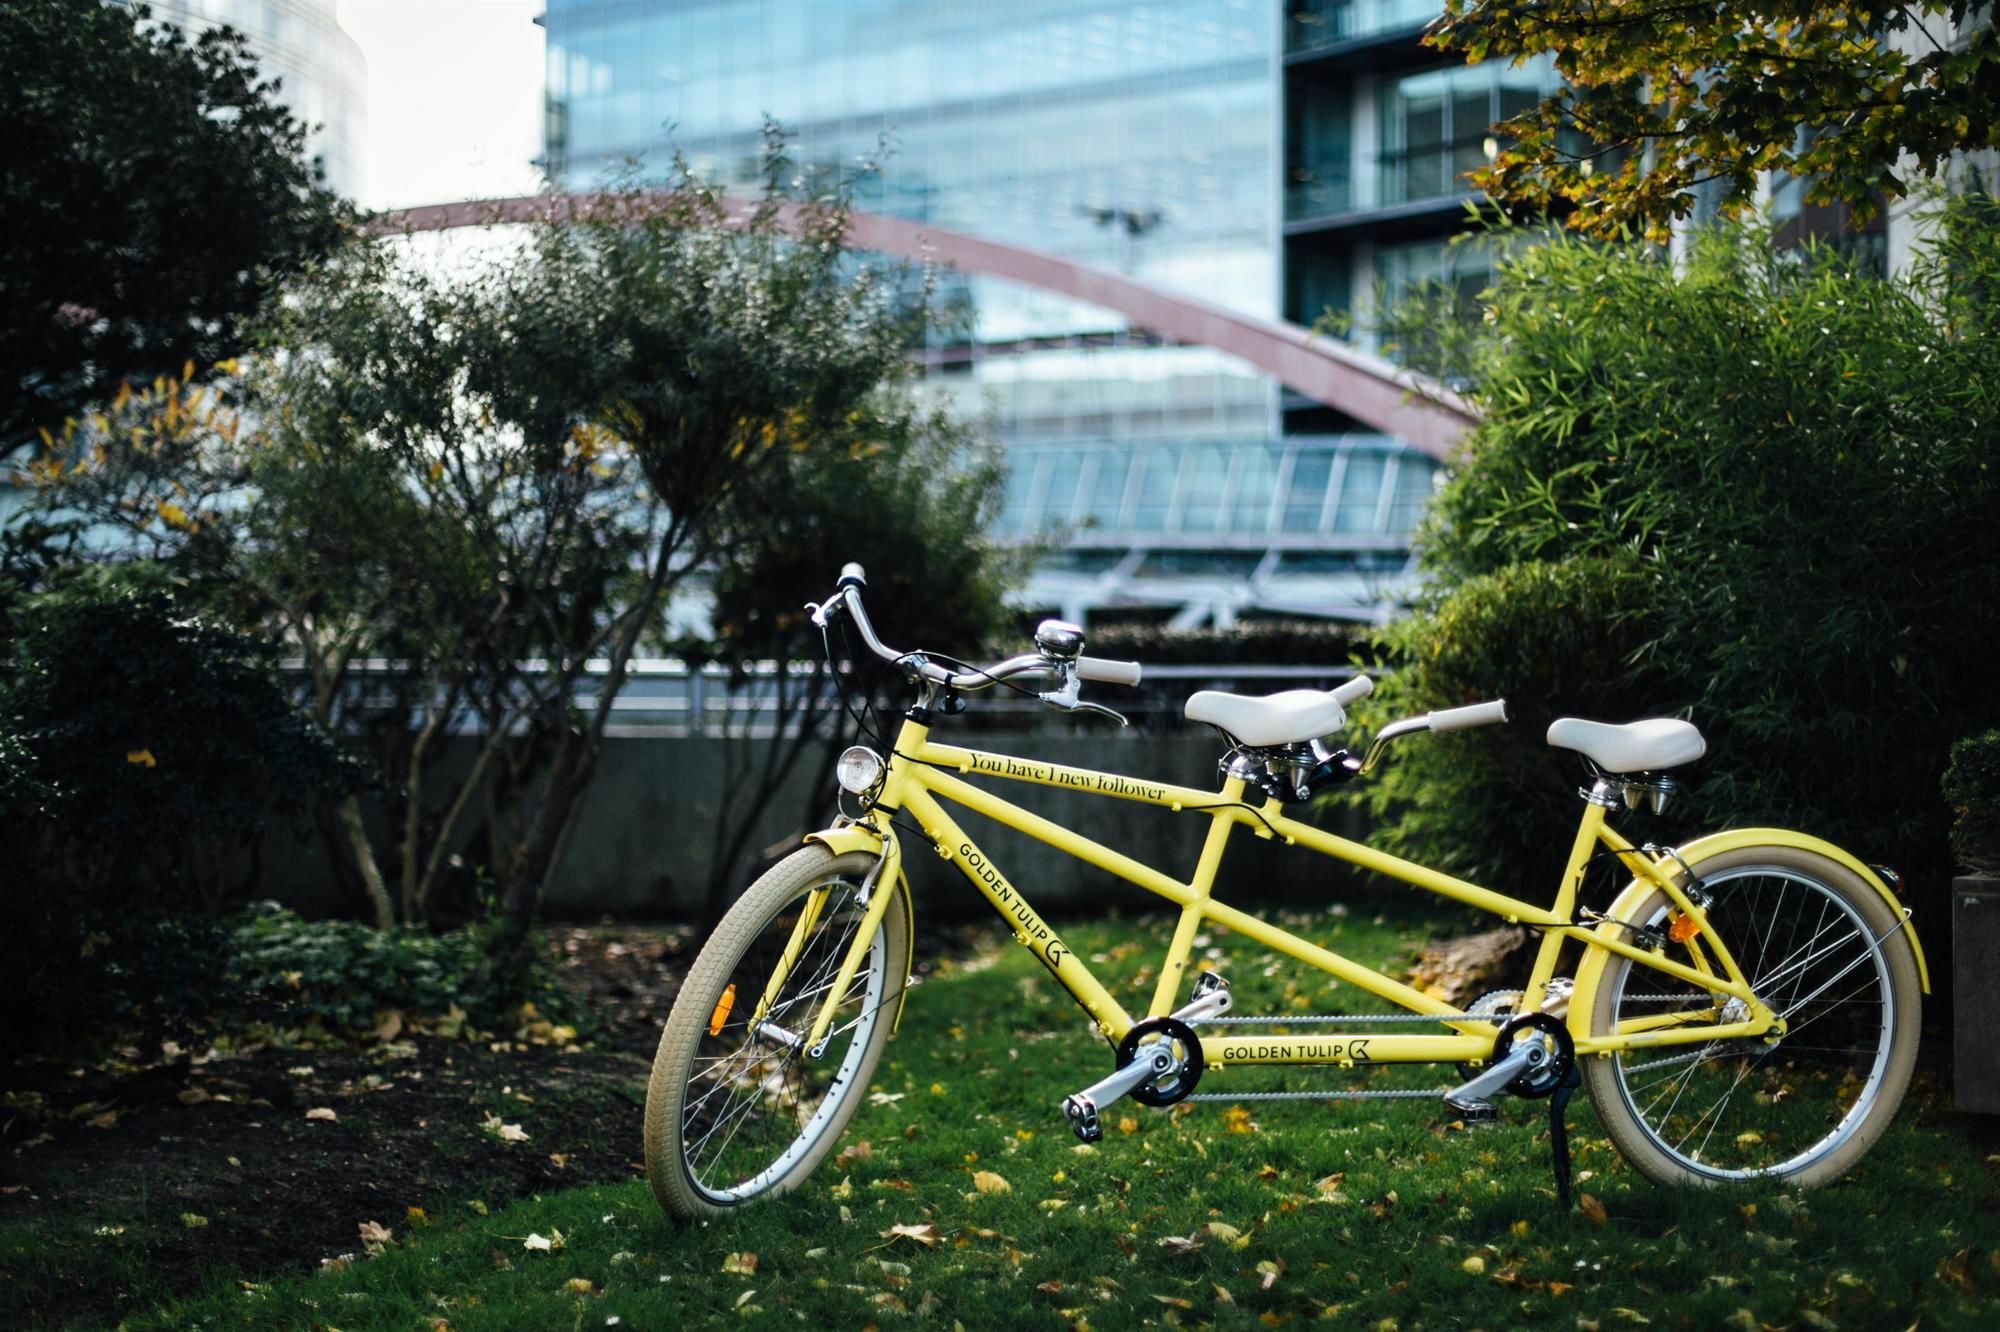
[[986, 1181]]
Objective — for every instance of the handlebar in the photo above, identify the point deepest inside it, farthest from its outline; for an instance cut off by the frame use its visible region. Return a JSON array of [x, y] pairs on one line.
[[847, 598], [1103, 671], [1478, 714], [1449, 719]]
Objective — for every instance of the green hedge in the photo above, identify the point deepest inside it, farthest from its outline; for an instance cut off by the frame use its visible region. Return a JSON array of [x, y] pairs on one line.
[[1795, 468], [1972, 787], [1254, 643]]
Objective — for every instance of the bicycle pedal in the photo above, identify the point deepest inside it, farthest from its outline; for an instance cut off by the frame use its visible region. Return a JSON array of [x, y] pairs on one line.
[[1473, 1112], [1081, 1112], [1209, 1000]]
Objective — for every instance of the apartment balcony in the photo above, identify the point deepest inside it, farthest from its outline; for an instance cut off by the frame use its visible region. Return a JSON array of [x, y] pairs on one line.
[[1339, 31], [1392, 190]]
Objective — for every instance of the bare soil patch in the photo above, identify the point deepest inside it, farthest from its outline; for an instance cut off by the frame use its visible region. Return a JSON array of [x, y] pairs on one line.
[[192, 1160]]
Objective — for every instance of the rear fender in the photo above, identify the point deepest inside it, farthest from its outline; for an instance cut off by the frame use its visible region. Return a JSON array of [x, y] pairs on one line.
[[1592, 967], [869, 840]]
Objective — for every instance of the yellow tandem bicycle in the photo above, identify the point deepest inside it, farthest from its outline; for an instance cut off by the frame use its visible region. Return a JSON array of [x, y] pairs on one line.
[[1747, 1007]]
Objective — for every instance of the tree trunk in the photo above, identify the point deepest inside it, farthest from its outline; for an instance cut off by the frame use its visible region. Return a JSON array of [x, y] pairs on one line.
[[532, 861], [364, 860]]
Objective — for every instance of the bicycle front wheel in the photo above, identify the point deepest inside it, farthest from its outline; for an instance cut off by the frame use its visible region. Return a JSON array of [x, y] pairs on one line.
[[1827, 954], [736, 1109]]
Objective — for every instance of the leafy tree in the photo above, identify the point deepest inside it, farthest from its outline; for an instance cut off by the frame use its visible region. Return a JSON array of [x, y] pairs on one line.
[[1764, 493], [913, 505], [348, 497], [516, 466], [1859, 100], [709, 348], [152, 190]]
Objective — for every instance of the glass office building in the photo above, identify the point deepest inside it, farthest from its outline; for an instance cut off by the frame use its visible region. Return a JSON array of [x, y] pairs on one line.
[[323, 77], [1143, 139], [1380, 133]]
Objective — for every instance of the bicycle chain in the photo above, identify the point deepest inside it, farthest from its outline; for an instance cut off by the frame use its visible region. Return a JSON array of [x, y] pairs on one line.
[[1431, 1094], [1278, 1020]]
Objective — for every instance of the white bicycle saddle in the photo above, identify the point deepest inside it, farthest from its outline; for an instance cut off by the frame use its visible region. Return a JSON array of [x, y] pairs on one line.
[[1276, 719], [1651, 745]]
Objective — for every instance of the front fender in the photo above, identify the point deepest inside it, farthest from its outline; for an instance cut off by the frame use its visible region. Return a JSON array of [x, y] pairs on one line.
[[870, 840], [1594, 959]]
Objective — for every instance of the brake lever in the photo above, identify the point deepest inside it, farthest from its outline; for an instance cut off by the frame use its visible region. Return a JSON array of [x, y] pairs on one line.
[[1066, 699], [822, 612]]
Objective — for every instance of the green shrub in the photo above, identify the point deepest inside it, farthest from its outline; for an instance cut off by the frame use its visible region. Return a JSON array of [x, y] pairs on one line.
[[1797, 462], [1554, 639], [139, 750], [342, 975], [158, 744], [1972, 787], [1250, 642], [86, 978]]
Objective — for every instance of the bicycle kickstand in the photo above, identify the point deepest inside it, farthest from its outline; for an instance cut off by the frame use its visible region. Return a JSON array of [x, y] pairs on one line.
[[1559, 1133]]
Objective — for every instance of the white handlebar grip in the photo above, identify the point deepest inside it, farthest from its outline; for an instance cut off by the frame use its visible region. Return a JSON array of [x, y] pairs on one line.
[[1359, 687], [1479, 714], [1107, 672], [853, 574]]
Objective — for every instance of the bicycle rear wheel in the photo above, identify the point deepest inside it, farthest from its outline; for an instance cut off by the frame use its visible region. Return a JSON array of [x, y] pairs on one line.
[[735, 1109], [1823, 949]]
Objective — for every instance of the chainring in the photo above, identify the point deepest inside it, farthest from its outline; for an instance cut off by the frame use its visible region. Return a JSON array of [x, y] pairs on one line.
[[1541, 1082], [1188, 1046]]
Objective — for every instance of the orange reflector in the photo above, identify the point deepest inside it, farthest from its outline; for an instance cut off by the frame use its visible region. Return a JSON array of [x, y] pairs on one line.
[[1683, 929], [722, 1007]]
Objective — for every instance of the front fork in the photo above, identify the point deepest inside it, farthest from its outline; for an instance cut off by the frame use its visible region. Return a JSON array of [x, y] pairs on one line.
[[877, 889]]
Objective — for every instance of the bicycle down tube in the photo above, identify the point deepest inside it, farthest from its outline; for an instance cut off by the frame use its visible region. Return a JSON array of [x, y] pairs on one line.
[[921, 772]]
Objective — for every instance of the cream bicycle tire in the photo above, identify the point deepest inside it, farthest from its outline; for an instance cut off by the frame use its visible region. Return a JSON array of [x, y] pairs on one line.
[[794, 1109], [1806, 1109]]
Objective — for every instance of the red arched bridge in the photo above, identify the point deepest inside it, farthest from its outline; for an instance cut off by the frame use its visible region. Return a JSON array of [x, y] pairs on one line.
[[1368, 388]]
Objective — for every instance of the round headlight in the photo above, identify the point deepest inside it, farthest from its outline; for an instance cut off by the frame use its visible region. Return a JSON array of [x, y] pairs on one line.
[[858, 770]]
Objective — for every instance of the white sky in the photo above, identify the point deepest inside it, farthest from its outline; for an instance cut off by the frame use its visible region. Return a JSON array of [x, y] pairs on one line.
[[454, 98]]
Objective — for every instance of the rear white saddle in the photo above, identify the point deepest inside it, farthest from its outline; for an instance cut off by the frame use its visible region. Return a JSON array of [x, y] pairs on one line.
[[1652, 745]]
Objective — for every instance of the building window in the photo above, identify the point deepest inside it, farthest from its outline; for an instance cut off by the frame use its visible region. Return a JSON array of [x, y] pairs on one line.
[[1436, 127]]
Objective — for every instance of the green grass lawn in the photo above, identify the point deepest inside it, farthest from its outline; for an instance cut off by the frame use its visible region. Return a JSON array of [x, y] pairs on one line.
[[1372, 1214]]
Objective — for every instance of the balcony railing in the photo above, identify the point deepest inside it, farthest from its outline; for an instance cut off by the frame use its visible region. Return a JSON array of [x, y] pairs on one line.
[[1316, 198], [1311, 25], [1392, 179]]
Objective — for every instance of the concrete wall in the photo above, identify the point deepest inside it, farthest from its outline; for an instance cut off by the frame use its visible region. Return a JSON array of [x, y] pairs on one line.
[[647, 832]]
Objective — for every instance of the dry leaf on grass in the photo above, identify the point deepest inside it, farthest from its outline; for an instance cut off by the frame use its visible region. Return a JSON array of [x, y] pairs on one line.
[[740, 1264], [924, 1233], [324, 1113], [988, 1182], [504, 1132]]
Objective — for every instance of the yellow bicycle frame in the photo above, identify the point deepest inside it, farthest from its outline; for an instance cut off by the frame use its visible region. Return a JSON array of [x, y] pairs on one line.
[[919, 772]]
